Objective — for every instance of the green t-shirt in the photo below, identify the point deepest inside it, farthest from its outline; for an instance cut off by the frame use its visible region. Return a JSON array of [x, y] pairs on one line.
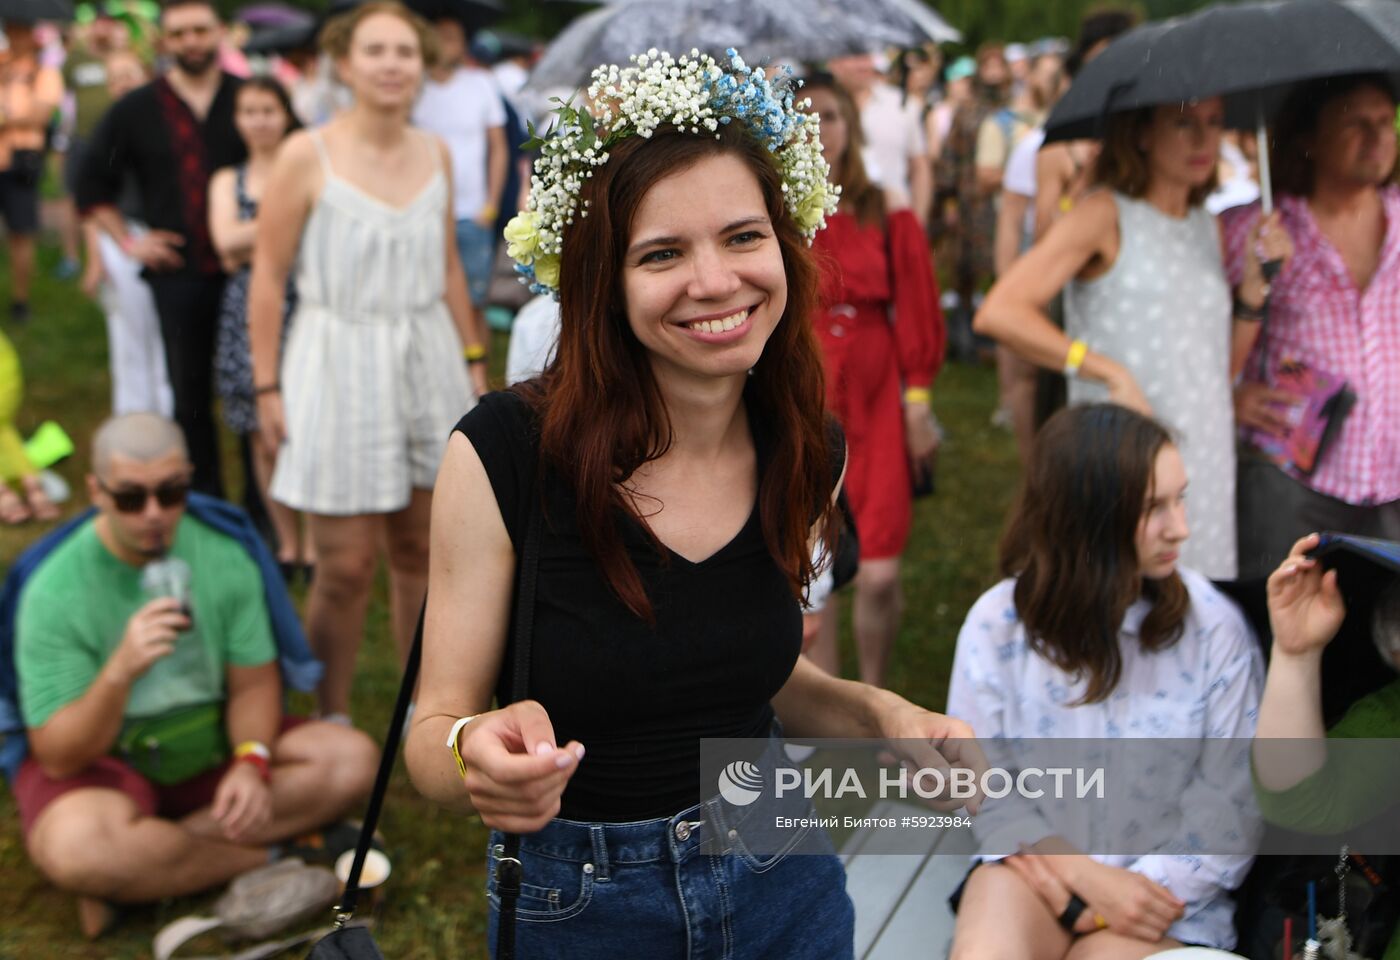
[[75, 607], [1350, 789], [86, 76]]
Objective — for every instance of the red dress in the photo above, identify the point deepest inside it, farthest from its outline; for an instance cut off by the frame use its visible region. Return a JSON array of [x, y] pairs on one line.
[[872, 352]]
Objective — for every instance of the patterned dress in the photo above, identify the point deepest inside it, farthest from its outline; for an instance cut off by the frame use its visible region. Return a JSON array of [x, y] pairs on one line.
[[233, 357], [1163, 311]]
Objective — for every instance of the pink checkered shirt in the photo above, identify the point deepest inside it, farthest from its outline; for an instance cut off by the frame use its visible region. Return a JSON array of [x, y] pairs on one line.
[[1317, 315]]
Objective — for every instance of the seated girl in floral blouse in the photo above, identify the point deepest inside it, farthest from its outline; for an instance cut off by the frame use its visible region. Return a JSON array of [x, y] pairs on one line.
[[1097, 634]]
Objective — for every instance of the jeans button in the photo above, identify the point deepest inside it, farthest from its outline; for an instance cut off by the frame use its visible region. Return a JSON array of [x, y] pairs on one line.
[[682, 831]]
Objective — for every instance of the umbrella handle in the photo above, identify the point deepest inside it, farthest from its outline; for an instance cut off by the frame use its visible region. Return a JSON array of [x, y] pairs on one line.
[[1266, 185]]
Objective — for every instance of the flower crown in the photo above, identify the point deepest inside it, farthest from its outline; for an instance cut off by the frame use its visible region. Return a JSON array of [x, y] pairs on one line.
[[694, 93]]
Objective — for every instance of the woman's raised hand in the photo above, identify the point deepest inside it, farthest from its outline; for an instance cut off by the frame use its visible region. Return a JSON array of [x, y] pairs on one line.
[[515, 772], [1306, 608]]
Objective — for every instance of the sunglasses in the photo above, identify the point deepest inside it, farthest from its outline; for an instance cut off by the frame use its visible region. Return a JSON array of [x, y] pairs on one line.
[[133, 499]]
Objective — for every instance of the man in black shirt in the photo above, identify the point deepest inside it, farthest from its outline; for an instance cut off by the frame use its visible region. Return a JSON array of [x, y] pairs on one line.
[[168, 137]]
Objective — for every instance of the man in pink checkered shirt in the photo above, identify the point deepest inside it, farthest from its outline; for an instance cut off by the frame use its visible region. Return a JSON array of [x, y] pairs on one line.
[[1336, 307]]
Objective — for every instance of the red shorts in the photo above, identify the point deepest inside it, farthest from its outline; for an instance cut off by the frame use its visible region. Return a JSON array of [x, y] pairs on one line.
[[34, 789]]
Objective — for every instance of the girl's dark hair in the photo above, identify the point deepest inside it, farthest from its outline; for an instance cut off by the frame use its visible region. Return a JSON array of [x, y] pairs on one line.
[[1122, 163], [899, 73], [857, 190], [601, 412], [1070, 543], [1294, 169], [275, 88]]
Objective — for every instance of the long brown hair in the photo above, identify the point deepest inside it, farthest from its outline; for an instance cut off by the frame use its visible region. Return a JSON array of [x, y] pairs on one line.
[[1070, 543], [864, 197], [601, 412], [1294, 169], [1122, 163]]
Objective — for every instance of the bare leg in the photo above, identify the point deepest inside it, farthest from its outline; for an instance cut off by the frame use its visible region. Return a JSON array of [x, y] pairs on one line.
[[339, 597], [1017, 380], [1001, 916], [1107, 945], [878, 606], [21, 266], [407, 533], [69, 228], [319, 772], [825, 650], [97, 843], [285, 520]]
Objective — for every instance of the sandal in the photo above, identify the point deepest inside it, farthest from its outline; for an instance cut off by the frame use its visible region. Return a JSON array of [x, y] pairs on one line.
[[13, 510], [39, 503]]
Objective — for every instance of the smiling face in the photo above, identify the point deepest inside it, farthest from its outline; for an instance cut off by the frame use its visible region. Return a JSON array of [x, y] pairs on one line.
[[1163, 528], [1182, 142], [384, 65], [703, 279]]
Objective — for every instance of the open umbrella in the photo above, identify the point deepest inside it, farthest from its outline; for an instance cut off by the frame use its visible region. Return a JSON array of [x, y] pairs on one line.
[[32, 11], [760, 29], [267, 16], [1249, 53]]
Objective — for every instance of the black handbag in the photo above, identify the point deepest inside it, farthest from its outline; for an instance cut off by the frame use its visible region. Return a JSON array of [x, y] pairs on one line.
[[354, 942]]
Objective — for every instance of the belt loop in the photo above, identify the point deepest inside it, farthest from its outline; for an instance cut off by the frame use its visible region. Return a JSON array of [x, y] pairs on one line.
[[602, 870]]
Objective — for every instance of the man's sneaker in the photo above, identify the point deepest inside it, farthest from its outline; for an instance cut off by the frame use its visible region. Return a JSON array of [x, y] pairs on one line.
[[19, 311]]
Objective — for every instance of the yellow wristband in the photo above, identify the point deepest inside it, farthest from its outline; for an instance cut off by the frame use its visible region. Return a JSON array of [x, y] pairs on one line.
[[918, 395], [474, 352], [452, 743], [488, 212], [1078, 350], [252, 748]]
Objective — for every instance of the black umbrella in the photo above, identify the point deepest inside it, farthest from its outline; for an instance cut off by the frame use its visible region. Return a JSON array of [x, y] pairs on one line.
[[1250, 53], [32, 11]]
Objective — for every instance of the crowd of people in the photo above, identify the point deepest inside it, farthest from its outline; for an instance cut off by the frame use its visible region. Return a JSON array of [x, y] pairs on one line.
[[700, 406]]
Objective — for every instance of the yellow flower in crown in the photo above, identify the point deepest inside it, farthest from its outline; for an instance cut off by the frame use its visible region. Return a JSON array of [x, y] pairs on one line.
[[547, 270], [812, 210], [523, 236]]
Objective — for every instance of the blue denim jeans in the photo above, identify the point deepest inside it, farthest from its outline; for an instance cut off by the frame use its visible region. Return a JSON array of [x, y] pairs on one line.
[[476, 245], [654, 889]]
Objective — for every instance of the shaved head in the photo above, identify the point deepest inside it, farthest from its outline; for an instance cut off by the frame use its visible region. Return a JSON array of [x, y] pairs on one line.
[[142, 437]]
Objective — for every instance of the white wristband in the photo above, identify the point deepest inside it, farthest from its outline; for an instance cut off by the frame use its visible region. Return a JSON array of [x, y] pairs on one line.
[[457, 730]]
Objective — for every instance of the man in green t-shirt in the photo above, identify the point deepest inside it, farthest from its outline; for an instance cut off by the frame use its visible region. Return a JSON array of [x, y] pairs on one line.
[[161, 763]]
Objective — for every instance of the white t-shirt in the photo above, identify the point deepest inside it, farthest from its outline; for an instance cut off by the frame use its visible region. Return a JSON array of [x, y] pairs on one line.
[[892, 136], [1019, 178], [461, 111], [534, 333]]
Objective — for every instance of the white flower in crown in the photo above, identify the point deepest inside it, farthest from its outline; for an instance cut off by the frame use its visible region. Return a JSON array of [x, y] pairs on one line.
[[694, 93]]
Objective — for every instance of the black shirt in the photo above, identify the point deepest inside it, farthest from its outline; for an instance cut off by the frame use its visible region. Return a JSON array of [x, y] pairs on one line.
[[152, 135], [639, 698]]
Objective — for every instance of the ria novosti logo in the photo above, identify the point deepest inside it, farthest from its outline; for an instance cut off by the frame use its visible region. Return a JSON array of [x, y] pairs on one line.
[[740, 783]]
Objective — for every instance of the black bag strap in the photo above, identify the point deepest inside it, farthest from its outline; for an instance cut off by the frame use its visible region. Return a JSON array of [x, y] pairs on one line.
[[345, 910], [508, 870]]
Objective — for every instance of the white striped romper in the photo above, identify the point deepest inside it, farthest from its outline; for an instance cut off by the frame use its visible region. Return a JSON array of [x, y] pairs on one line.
[[372, 376]]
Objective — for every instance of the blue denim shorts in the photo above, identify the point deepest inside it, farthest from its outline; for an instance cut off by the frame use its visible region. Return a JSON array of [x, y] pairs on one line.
[[476, 245], [682, 887]]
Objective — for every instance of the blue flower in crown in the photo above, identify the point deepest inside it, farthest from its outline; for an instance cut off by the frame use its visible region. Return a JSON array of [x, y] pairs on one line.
[[693, 93]]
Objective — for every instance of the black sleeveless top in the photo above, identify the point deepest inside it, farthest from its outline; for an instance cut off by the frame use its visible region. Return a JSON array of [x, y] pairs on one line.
[[639, 698]]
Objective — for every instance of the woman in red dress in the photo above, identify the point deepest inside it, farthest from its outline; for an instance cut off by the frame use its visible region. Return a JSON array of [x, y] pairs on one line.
[[882, 336]]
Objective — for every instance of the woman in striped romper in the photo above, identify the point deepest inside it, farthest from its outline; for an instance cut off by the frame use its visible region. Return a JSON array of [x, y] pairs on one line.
[[373, 377]]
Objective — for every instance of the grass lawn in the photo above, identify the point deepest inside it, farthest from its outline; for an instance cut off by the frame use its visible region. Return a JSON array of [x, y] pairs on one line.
[[435, 905]]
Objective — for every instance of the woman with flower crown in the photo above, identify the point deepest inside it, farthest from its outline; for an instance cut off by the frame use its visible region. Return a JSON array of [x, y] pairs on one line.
[[881, 332], [678, 454], [373, 375]]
